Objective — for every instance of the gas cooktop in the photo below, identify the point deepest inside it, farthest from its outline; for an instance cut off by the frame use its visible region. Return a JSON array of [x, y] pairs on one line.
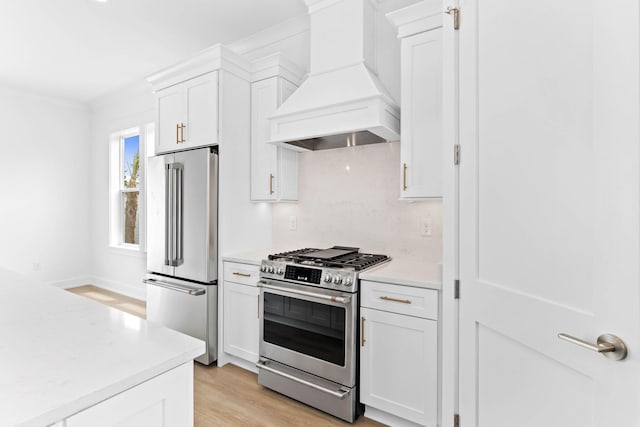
[[333, 268], [336, 257]]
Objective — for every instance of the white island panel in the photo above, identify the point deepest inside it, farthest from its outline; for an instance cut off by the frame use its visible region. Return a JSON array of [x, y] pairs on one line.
[[62, 353]]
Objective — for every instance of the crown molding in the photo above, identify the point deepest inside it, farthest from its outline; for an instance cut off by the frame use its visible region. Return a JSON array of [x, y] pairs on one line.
[[271, 35], [216, 57], [422, 16]]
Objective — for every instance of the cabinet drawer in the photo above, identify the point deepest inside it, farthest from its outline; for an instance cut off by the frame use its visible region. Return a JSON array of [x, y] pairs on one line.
[[400, 299], [245, 274]]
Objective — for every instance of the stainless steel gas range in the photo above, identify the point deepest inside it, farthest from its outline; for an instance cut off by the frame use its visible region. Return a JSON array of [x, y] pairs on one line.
[[309, 301]]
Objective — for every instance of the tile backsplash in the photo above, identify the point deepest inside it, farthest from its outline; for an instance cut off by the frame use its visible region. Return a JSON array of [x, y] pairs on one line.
[[350, 197]]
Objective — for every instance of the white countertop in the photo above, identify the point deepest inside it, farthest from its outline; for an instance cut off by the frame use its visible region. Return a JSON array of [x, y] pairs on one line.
[[408, 272], [61, 353], [401, 271], [253, 257]]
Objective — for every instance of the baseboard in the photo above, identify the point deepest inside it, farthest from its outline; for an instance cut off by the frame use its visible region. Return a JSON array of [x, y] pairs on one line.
[[110, 285], [137, 292], [387, 418], [122, 288], [72, 283], [240, 363]]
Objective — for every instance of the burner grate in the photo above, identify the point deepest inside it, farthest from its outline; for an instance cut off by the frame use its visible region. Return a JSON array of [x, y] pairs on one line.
[[356, 260]]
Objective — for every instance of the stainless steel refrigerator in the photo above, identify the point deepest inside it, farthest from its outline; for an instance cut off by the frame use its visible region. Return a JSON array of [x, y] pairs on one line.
[[182, 241]]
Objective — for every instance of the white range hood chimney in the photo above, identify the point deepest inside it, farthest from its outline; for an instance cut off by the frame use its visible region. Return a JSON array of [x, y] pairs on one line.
[[342, 102]]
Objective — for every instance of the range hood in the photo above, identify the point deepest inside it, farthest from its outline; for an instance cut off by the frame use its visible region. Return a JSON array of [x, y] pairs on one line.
[[342, 102]]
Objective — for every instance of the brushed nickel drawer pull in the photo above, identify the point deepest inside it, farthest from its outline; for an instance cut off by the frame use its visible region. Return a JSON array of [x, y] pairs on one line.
[[362, 332], [404, 301], [235, 273]]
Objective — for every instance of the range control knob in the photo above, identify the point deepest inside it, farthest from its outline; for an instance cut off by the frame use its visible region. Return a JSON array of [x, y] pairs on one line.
[[263, 268], [270, 269], [327, 278], [337, 280], [280, 271], [347, 281]]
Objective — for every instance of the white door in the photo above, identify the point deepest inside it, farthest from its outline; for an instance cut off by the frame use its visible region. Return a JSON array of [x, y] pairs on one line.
[[549, 202]]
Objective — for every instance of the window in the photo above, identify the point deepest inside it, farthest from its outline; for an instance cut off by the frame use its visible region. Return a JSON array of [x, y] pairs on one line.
[[126, 183], [130, 189]]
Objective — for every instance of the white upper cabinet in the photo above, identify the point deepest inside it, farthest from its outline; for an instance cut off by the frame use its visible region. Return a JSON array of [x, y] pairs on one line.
[[187, 114], [274, 170], [190, 101], [419, 28]]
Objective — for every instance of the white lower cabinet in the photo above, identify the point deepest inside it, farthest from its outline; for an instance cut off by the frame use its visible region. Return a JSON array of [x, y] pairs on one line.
[[241, 311], [398, 365], [241, 320], [165, 400]]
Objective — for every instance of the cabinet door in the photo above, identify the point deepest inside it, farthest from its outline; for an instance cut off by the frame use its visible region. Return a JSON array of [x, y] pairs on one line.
[[274, 170], [398, 365], [421, 144], [201, 115], [287, 178], [264, 102], [241, 321], [169, 104]]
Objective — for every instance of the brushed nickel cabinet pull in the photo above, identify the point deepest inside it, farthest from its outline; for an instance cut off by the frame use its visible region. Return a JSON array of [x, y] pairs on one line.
[[235, 273], [404, 301], [182, 126], [404, 177], [362, 340], [270, 184], [177, 133]]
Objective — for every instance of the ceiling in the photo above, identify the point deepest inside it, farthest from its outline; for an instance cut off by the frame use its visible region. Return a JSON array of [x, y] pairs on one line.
[[82, 49]]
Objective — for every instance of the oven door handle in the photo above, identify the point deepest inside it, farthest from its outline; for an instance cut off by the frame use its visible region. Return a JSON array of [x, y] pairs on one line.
[[341, 300], [339, 394]]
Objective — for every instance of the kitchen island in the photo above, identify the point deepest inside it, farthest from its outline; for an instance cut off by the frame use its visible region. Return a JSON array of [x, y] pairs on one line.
[[69, 361]]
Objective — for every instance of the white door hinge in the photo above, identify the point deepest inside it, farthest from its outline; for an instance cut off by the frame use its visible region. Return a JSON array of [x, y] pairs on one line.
[[456, 154], [456, 16], [456, 420], [456, 289]]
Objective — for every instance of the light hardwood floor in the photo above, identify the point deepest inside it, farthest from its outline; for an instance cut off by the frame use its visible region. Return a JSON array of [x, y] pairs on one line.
[[230, 396]]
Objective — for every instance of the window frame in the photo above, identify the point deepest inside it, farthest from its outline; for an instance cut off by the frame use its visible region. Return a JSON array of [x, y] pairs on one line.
[[117, 190]]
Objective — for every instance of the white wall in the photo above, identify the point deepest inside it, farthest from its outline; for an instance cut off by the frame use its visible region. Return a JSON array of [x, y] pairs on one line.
[[45, 210], [118, 269], [349, 197]]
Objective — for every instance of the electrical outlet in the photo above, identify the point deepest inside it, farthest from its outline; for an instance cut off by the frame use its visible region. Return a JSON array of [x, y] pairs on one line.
[[293, 223], [36, 266], [425, 226]]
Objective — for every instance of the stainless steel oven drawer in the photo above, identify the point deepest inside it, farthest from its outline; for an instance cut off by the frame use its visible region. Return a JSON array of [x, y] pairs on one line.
[[335, 399]]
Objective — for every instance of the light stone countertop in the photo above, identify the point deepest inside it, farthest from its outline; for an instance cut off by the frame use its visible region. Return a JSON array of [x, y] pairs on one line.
[[253, 257], [400, 271], [61, 353], [408, 272]]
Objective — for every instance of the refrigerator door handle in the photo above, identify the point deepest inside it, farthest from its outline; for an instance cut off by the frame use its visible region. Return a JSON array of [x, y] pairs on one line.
[[174, 218], [175, 287], [178, 260], [168, 215]]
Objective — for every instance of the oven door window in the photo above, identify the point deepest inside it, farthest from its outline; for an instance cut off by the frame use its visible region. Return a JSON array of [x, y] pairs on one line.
[[310, 328]]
